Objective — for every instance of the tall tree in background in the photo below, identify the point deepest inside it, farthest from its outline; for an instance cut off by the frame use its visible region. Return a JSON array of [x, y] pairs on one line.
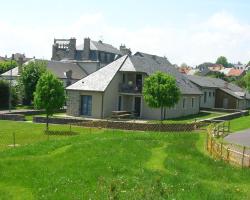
[[161, 91], [222, 60], [29, 77], [49, 95], [4, 95], [247, 81]]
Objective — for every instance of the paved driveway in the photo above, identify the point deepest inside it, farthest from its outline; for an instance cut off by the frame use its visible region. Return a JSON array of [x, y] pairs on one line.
[[241, 138]]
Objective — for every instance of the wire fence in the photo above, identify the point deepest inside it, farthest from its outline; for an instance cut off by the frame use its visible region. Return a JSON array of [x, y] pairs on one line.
[[229, 152]]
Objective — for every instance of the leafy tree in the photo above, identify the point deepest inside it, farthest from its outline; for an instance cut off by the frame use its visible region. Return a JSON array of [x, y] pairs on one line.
[[247, 81], [7, 65], [248, 64], [49, 95], [161, 91], [222, 60], [29, 77], [241, 82], [4, 95]]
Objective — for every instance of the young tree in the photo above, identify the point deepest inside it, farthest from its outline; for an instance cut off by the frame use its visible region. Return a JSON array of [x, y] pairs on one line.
[[49, 95], [29, 77], [161, 91], [222, 60]]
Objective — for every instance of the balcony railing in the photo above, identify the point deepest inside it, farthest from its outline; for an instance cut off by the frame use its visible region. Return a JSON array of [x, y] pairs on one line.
[[128, 88]]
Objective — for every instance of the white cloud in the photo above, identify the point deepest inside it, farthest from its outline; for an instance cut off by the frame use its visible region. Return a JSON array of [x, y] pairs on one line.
[[220, 34]]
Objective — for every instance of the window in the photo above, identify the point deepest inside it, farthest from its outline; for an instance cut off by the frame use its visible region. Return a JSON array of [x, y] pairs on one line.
[[192, 102], [213, 94], [184, 103], [86, 105], [205, 97], [209, 94]]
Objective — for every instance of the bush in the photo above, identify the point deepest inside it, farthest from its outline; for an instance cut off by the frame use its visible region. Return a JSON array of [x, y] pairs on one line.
[[4, 95]]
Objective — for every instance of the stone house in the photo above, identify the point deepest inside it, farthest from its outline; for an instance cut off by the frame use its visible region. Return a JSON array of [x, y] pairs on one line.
[[97, 51], [118, 87], [217, 93]]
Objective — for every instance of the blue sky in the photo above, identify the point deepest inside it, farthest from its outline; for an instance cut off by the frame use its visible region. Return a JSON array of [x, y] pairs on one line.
[[190, 31]]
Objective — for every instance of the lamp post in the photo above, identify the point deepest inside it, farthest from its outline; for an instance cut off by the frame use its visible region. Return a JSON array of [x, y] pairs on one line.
[[10, 84]]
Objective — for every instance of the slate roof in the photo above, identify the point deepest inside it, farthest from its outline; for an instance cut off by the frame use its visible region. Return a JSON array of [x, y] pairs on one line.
[[229, 88], [149, 65], [100, 46], [99, 80], [57, 68]]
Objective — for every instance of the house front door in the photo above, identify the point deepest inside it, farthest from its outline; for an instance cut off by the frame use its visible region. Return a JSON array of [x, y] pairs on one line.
[[137, 106]]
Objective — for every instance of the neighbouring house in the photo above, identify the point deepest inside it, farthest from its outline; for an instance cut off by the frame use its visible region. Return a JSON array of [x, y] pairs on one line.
[[184, 70], [69, 73], [208, 69], [237, 73], [218, 93], [118, 87]]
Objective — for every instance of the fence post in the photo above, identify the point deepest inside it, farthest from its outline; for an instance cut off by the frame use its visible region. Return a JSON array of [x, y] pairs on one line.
[[14, 139], [228, 154], [70, 127], [221, 148], [243, 155]]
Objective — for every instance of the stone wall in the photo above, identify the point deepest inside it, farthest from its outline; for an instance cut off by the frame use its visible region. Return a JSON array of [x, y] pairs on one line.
[[122, 125], [12, 117]]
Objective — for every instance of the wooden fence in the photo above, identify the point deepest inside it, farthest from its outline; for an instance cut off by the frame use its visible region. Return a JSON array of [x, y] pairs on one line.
[[231, 153]]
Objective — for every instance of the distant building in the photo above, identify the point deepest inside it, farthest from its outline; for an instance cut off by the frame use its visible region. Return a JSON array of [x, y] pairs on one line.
[[66, 49]]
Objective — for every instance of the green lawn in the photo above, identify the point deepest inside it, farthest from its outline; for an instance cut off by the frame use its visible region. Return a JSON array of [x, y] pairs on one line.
[[99, 164], [240, 123], [191, 118]]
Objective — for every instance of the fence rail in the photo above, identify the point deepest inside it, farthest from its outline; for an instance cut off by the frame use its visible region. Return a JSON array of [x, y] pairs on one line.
[[231, 153]]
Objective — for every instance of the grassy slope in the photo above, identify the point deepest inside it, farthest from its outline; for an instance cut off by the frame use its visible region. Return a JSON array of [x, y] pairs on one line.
[[105, 164]]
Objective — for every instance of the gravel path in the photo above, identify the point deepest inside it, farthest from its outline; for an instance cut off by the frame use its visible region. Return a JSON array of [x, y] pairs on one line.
[[241, 138]]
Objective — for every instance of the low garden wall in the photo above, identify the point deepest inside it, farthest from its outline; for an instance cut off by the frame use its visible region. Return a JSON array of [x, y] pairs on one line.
[[123, 125], [230, 116], [13, 117]]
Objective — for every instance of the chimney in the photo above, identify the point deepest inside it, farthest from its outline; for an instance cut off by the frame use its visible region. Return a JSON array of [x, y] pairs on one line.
[[124, 50], [86, 49]]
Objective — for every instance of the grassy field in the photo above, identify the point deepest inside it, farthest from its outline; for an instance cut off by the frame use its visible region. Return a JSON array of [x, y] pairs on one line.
[[102, 164], [191, 118]]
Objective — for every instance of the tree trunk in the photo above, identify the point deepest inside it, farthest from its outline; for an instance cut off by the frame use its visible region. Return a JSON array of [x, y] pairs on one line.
[[161, 113], [47, 122], [165, 110]]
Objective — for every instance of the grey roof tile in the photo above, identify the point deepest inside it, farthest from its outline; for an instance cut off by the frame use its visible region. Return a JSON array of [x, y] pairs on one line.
[[100, 46], [229, 88], [99, 80]]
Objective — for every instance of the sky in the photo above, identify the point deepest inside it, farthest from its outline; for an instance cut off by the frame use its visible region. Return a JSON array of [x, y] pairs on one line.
[[185, 31]]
